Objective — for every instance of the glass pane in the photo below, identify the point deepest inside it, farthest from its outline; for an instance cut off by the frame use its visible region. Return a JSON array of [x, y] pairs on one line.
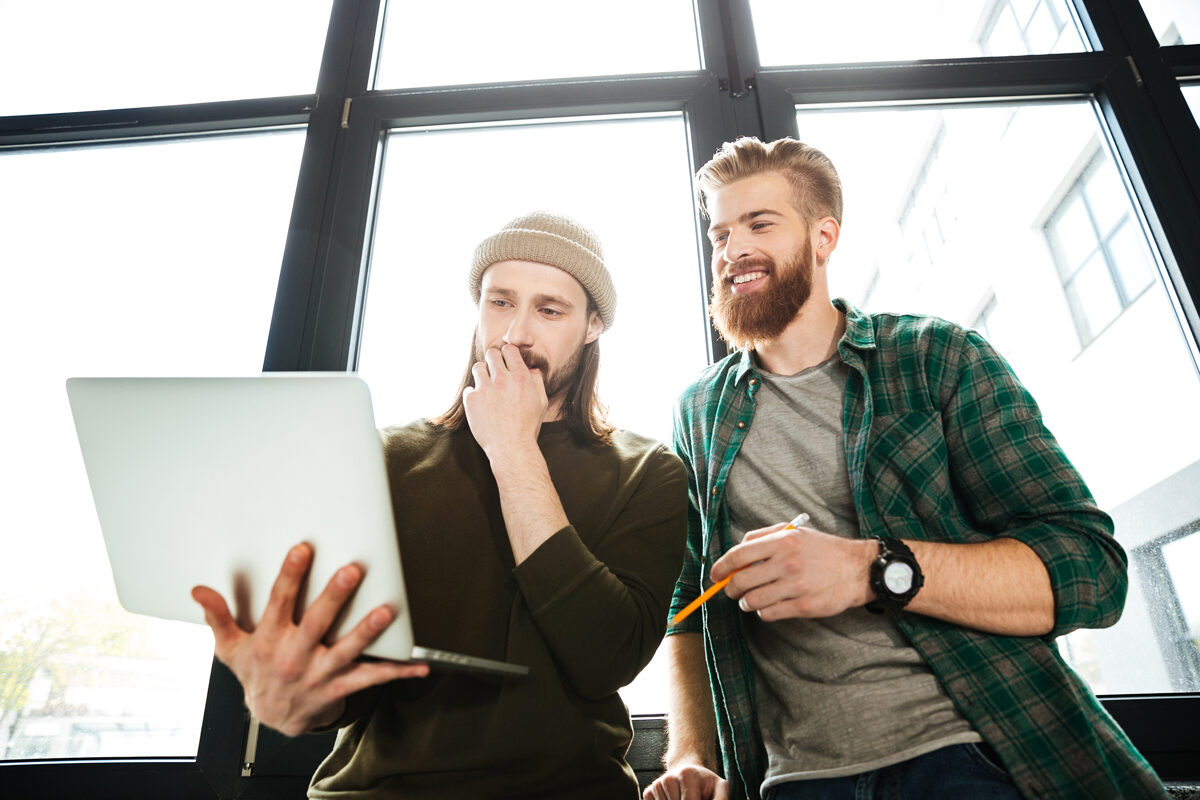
[[1192, 95], [1183, 562], [798, 31], [80, 55], [1042, 31], [549, 166], [1129, 255], [1174, 21], [1006, 178], [1006, 35], [141, 259], [482, 41], [1106, 197], [1075, 235], [1094, 294]]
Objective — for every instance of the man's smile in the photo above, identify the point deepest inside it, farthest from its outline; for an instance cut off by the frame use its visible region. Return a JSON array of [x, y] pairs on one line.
[[747, 281]]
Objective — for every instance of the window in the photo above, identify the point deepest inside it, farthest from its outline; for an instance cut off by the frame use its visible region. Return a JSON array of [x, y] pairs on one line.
[[1098, 250], [480, 41], [928, 212], [985, 320], [1192, 95], [1001, 172], [425, 173], [965, 131], [791, 32], [134, 53], [1181, 18], [148, 264], [1023, 26], [1181, 556]]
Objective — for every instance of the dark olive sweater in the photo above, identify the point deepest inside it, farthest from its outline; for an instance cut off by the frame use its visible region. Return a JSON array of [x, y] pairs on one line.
[[585, 612]]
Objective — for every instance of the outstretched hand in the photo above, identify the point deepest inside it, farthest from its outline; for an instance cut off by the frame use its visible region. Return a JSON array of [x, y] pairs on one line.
[[292, 681]]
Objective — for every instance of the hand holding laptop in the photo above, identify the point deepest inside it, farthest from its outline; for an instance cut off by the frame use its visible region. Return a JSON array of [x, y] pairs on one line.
[[292, 680]]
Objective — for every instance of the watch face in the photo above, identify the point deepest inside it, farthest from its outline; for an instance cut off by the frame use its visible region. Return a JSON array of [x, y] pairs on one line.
[[898, 577]]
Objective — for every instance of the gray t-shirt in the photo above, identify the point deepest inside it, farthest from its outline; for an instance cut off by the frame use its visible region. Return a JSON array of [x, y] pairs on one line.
[[845, 694]]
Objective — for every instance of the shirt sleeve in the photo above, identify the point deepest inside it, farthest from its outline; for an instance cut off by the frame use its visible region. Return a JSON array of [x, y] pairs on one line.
[[605, 623], [1016, 481], [687, 587]]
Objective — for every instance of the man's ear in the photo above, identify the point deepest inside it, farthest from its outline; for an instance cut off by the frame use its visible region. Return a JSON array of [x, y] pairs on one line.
[[825, 236], [595, 327]]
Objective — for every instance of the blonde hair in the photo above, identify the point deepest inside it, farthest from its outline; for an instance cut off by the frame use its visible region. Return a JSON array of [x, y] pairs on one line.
[[816, 187]]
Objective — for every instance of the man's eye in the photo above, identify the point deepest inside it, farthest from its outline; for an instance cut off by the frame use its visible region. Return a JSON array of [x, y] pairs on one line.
[[720, 237], [552, 312]]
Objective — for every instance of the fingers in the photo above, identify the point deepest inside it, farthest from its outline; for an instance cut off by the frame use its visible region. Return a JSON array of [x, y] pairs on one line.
[[761, 532], [480, 376], [495, 361], [373, 673], [324, 610], [351, 645], [665, 788], [688, 783], [513, 360], [216, 614], [282, 603], [741, 556], [765, 594]]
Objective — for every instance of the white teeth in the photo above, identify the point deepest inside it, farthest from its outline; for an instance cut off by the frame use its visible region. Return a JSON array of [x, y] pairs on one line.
[[746, 277]]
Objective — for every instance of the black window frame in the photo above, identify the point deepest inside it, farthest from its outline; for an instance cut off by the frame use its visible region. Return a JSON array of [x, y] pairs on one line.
[[318, 307]]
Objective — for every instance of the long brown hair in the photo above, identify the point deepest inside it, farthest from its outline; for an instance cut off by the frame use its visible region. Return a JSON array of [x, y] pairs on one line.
[[583, 411]]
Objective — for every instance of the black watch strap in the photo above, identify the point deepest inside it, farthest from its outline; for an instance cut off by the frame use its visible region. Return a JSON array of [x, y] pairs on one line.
[[892, 551]]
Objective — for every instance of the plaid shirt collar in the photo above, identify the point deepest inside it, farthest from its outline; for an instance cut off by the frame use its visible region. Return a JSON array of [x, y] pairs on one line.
[[859, 336]]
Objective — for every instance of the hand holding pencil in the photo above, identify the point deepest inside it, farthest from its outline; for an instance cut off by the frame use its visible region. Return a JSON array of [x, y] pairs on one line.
[[800, 519]]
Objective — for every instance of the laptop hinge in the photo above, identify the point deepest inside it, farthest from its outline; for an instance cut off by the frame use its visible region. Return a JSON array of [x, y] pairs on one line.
[[251, 748]]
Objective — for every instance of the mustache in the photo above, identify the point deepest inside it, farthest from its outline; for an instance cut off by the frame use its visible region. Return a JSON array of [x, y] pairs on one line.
[[758, 262], [534, 361]]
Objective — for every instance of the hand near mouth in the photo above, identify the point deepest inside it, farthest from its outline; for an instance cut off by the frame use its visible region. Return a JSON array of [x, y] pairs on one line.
[[506, 405]]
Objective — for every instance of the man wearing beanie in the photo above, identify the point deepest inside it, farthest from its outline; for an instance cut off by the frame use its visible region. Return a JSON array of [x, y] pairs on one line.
[[533, 532]]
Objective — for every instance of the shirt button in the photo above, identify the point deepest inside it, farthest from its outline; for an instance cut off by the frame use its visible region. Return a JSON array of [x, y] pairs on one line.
[[715, 490], [754, 381], [741, 423]]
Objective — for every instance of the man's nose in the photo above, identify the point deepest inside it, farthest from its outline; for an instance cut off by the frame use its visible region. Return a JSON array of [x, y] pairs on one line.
[[737, 247], [519, 331]]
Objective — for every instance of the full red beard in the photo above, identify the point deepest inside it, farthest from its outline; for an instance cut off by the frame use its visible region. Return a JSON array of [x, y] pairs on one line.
[[743, 319]]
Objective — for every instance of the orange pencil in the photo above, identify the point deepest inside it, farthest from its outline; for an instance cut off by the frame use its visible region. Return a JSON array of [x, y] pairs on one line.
[[800, 519]]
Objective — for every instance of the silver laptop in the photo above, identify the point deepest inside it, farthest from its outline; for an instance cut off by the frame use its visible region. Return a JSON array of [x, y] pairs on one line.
[[211, 480]]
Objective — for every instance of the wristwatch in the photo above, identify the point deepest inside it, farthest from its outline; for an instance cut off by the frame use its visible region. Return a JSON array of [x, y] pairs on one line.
[[895, 576]]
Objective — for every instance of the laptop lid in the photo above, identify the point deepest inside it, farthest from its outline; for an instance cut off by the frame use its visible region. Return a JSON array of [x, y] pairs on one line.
[[211, 480]]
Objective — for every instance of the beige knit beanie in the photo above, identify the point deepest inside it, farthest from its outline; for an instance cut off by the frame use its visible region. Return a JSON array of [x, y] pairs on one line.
[[555, 240]]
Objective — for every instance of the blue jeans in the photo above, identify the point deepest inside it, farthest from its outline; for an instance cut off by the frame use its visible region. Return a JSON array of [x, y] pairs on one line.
[[951, 773]]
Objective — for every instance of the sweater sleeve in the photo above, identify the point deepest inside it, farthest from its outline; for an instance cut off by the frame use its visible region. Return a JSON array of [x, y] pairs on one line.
[[1016, 481], [602, 611]]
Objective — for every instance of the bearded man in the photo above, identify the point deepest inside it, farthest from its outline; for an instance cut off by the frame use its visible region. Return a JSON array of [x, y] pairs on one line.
[[532, 532], [900, 644]]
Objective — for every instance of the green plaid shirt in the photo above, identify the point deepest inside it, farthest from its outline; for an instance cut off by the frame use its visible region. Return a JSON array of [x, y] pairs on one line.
[[943, 443]]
